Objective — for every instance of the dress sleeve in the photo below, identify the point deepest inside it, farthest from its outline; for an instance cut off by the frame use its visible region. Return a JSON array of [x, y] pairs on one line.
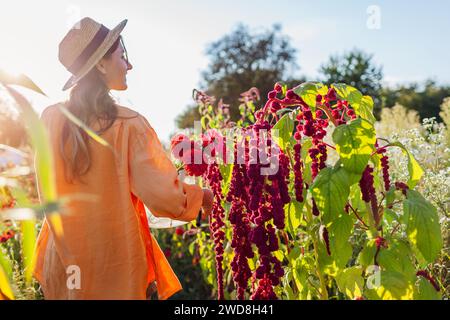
[[154, 179]]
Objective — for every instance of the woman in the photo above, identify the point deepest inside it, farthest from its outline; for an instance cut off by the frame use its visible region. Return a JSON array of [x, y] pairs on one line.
[[106, 250]]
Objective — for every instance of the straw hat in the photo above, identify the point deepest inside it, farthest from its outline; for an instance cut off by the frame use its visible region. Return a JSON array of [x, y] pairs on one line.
[[84, 46]]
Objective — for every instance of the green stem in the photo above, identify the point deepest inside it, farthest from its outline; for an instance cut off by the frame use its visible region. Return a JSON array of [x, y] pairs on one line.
[[323, 287]]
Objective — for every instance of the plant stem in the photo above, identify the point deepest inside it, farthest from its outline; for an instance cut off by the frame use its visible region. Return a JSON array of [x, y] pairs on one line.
[[328, 112], [323, 287]]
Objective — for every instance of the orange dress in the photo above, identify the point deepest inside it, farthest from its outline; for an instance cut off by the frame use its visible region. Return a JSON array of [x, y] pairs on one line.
[[107, 243]]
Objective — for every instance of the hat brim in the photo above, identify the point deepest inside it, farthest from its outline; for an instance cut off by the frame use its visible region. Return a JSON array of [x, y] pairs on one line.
[[112, 36]]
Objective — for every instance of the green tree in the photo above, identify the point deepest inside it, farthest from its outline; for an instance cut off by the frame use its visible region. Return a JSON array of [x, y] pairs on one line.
[[241, 60], [425, 99], [355, 68]]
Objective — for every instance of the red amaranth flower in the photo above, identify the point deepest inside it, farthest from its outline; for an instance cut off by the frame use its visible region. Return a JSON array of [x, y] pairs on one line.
[[368, 193], [179, 231], [325, 237], [401, 186], [380, 242], [6, 236], [331, 95], [239, 219], [272, 94], [298, 175], [216, 222], [385, 168], [315, 210], [179, 144], [278, 88], [167, 252], [191, 165]]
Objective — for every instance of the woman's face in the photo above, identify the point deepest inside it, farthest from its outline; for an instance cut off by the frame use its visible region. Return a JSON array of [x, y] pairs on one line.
[[115, 68]]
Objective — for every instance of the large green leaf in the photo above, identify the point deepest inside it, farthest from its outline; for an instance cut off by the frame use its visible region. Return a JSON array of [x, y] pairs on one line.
[[397, 257], [340, 231], [282, 130], [330, 190], [414, 169], [351, 282], [422, 225], [355, 142], [309, 90], [393, 286]]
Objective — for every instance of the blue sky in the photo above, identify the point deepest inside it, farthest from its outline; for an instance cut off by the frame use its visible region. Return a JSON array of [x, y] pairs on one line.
[[166, 41]]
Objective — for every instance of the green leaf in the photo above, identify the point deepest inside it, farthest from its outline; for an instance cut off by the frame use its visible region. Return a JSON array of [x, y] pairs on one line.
[[279, 254], [341, 250], [286, 285], [414, 169], [355, 143], [393, 286], [28, 244], [309, 90], [226, 170], [339, 234], [20, 80], [397, 257], [330, 190], [5, 263], [5, 287], [306, 145], [364, 108], [300, 275], [294, 254], [295, 214], [282, 131], [351, 282], [346, 92], [422, 225], [424, 290], [43, 156], [367, 254]]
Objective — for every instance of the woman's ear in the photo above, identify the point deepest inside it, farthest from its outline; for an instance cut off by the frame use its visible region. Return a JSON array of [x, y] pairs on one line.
[[101, 66]]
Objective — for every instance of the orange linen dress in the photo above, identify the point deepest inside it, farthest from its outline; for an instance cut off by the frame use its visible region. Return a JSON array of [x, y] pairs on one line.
[[109, 240]]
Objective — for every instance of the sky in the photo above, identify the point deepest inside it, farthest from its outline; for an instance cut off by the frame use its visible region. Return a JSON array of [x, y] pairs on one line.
[[166, 42]]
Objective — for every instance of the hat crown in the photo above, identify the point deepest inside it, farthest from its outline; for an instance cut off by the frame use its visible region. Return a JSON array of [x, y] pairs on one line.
[[76, 40]]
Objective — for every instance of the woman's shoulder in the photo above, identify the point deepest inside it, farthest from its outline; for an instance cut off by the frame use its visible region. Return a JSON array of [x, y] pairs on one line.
[[129, 117], [51, 111], [135, 120]]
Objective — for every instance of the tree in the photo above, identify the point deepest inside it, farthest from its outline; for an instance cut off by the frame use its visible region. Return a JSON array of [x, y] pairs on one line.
[[357, 69], [425, 99], [240, 60]]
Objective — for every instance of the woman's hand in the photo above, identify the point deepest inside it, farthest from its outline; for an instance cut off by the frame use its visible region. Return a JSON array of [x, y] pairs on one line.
[[207, 205]]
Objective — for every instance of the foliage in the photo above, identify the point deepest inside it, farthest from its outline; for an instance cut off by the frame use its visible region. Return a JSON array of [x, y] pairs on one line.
[[357, 221], [357, 69], [424, 98], [243, 59]]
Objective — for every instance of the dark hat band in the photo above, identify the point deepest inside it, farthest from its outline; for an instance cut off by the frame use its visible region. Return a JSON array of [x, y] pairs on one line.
[[96, 41]]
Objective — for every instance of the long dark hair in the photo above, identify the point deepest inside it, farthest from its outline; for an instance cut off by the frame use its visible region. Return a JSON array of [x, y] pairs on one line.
[[90, 100]]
